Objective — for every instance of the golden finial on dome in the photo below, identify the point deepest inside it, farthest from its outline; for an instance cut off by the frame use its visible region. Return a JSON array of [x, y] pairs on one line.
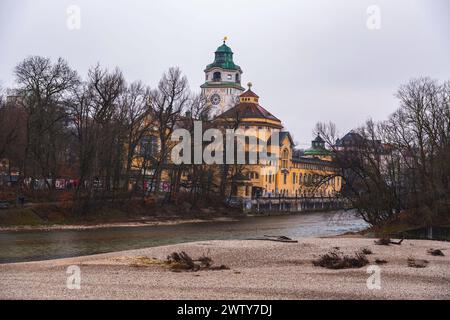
[[225, 39]]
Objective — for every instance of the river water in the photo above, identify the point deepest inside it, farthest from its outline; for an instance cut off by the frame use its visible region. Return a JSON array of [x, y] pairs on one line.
[[17, 246]]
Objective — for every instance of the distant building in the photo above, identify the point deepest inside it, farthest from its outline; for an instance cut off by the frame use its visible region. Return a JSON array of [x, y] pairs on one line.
[[14, 100], [318, 150]]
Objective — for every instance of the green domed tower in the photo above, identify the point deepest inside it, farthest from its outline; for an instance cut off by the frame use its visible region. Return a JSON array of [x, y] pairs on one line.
[[318, 149], [222, 85]]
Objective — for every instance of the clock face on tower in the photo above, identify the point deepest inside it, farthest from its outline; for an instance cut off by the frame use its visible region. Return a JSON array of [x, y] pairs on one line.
[[215, 99]]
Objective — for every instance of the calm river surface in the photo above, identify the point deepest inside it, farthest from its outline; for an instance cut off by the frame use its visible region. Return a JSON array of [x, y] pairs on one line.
[[41, 245]]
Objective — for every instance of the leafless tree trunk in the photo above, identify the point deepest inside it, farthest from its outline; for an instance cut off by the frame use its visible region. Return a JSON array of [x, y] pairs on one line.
[[43, 88], [401, 164], [167, 104]]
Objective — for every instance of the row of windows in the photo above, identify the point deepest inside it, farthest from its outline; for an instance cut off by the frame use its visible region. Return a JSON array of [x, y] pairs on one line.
[[259, 128], [311, 166], [306, 193], [303, 179], [253, 175], [312, 178], [217, 76]]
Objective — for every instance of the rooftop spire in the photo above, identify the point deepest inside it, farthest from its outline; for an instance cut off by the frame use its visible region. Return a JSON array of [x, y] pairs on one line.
[[249, 96], [224, 58]]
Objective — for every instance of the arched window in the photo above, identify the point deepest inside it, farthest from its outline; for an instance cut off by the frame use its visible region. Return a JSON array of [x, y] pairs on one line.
[[238, 79], [217, 76], [285, 157]]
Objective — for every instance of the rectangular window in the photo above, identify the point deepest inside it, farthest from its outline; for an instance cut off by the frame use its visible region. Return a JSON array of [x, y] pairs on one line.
[[148, 146]]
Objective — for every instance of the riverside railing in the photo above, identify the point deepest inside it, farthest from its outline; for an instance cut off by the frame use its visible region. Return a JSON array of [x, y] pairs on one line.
[[294, 204]]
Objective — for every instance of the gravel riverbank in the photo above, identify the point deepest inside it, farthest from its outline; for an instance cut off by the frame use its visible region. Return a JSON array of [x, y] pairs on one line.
[[258, 270]]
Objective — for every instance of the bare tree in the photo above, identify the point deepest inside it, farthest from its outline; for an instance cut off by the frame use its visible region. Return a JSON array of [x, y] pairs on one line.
[[43, 88], [12, 133], [134, 117], [401, 164], [80, 113], [167, 104], [105, 90], [199, 183]]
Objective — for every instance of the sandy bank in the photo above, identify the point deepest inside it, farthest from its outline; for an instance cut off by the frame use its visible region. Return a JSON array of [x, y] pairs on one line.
[[258, 270], [138, 223]]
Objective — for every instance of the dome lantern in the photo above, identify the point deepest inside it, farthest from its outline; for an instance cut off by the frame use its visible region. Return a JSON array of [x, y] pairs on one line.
[[224, 58]]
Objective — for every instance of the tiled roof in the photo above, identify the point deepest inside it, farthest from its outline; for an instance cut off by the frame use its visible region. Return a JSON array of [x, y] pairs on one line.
[[249, 94], [248, 110], [281, 137], [313, 161], [317, 152], [319, 139], [351, 137]]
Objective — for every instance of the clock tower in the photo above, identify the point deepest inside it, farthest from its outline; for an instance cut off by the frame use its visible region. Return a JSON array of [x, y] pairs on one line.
[[222, 86]]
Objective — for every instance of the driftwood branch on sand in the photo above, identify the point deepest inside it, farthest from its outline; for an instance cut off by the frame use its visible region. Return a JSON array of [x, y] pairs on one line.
[[181, 261], [275, 238], [387, 241]]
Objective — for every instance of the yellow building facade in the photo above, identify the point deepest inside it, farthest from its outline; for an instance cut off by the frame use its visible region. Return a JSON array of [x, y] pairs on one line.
[[294, 173]]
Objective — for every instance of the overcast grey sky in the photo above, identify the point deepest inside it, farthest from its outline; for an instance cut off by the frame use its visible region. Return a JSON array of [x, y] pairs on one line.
[[308, 61]]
